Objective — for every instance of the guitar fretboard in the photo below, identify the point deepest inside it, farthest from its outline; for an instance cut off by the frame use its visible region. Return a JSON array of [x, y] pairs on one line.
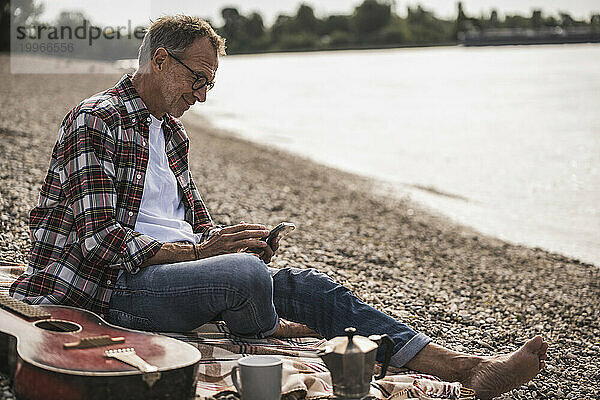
[[23, 309]]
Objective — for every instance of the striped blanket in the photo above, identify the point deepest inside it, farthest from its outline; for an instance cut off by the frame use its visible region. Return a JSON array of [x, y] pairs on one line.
[[305, 376]]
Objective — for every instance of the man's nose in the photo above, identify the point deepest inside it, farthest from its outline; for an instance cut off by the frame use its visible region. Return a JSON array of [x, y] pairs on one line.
[[200, 94]]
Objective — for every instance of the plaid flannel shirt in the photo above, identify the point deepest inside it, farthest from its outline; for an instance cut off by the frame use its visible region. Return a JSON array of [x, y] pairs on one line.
[[82, 228]]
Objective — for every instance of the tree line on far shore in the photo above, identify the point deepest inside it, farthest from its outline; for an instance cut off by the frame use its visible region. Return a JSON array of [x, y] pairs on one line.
[[372, 24]]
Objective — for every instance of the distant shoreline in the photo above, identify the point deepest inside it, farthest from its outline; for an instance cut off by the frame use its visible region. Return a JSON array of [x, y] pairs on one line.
[[481, 43]]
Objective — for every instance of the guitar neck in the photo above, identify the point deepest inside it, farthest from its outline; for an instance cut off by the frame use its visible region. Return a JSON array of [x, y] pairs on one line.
[[27, 311]]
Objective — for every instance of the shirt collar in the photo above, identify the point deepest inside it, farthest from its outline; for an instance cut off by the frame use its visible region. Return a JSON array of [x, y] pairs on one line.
[[136, 109]]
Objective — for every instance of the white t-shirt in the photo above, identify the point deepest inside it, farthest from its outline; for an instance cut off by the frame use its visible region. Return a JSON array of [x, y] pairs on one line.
[[162, 212]]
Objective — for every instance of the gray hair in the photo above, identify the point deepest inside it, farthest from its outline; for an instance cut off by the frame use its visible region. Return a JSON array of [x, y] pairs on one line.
[[176, 33]]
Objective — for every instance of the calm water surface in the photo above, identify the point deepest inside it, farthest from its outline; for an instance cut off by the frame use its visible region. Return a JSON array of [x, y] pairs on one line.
[[506, 140]]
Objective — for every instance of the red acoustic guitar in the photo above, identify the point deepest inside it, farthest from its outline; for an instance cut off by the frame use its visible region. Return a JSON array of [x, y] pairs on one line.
[[64, 353]]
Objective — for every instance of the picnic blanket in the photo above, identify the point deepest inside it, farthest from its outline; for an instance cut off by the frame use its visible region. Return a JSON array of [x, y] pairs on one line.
[[305, 376]]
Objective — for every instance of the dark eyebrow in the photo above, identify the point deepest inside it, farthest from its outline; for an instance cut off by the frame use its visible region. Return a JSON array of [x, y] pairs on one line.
[[196, 74], [199, 73]]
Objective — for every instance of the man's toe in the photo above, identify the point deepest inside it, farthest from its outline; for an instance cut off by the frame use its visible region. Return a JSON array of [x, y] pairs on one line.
[[543, 350], [535, 345]]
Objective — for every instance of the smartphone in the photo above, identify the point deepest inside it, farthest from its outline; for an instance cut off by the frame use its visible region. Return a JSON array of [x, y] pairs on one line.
[[279, 231]]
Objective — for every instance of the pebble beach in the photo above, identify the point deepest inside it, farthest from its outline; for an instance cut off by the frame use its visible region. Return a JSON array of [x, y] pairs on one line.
[[468, 291]]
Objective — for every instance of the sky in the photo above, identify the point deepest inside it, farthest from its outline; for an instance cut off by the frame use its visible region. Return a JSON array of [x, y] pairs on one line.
[[139, 11]]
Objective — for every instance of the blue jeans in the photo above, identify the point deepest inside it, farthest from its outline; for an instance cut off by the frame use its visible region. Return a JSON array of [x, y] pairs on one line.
[[242, 291]]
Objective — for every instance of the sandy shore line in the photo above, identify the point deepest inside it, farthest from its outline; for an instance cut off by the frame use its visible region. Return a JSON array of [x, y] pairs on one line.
[[468, 291]]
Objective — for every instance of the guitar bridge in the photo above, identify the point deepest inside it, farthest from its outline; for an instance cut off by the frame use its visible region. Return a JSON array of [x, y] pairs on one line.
[[150, 373], [94, 341]]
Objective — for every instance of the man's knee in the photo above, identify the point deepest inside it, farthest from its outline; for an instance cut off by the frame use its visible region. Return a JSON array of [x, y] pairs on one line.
[[252, 276], [306, 274], [303, 279]]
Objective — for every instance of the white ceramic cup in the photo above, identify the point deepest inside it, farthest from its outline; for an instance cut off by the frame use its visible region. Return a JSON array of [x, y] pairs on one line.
[[259, 377]]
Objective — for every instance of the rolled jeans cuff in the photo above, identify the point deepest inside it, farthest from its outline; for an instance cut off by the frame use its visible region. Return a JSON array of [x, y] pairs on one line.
[[410, 349]]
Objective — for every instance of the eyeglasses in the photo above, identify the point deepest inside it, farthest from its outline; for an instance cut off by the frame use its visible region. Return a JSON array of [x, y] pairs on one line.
[[200, 81]]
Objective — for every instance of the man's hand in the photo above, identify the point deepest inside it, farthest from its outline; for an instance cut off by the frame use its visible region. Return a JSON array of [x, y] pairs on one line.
[[267, 253], [236, 238]]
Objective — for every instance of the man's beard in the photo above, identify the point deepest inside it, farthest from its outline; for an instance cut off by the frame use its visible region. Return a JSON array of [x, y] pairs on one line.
[[173, 104]]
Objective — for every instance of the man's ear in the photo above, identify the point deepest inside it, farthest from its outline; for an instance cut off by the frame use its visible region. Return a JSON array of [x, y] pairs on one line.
[[158, 59]]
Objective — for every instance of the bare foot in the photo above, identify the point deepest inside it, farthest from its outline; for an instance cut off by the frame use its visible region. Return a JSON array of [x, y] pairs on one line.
[[288, 329], [499, 374]]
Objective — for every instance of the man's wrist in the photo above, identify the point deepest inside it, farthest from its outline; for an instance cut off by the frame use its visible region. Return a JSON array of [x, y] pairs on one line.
[[200, 250]]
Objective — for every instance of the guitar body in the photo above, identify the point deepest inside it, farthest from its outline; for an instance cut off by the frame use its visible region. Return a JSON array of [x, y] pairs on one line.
[[42, 368]]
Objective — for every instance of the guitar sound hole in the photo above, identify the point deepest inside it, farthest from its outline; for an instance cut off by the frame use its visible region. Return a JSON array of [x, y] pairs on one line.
[[57, 325]]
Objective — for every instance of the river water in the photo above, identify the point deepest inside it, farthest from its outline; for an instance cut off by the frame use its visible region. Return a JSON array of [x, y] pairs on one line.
[[503, 139]]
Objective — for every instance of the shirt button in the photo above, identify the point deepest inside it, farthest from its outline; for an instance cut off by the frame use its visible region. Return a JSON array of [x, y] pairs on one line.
[[149, 120], [130, 213], [108, 282], [101, 315], [139, 176], [133, 120]]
